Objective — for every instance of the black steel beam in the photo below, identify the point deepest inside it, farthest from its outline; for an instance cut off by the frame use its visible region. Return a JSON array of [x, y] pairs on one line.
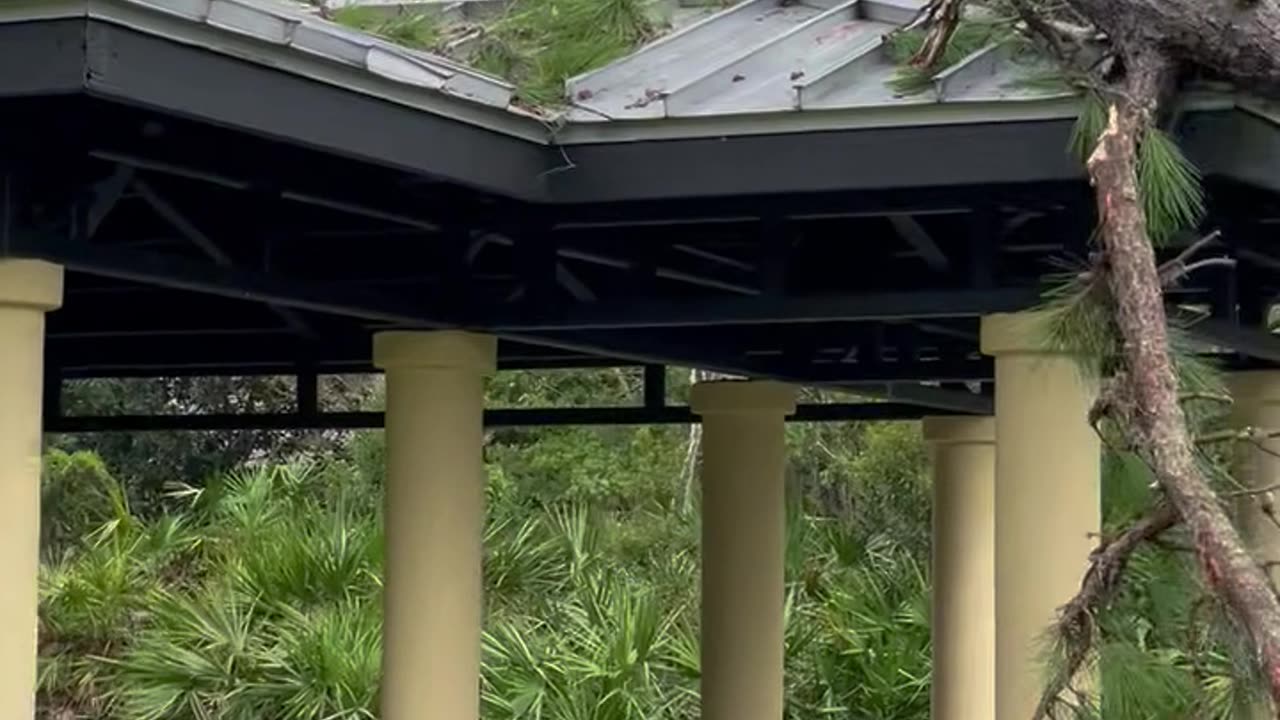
[[225, 91], [53, 58], [655, 386], [925, 304], [941, 370], [278, 354], [539, 417], [937, 398], [236, 284], [308, 392], [1255, 343], [914, 234], [183, 224], [273, 289]]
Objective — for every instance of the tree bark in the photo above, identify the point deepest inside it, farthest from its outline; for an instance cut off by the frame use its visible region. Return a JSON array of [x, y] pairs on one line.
[[942, 18], [1076, 619], [1155, 419], [1237, 39]]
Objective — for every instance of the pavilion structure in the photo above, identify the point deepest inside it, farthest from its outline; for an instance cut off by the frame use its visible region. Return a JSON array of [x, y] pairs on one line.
[[235, 187]]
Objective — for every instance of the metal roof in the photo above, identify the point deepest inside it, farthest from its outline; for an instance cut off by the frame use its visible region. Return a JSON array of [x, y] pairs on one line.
[[779, 55], [297, 27], [758, 56]]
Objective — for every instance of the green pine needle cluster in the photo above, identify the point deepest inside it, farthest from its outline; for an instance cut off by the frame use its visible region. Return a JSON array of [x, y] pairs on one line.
[[536, 44], [1163, 647], [539, 44], [971, 35], [1089, 125], [421, 31], [1172, 194]]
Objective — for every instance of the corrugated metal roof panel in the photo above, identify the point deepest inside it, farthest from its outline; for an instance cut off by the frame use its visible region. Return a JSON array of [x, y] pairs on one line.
[[787, 61], [782, 55], [634, 86], [294, 26]]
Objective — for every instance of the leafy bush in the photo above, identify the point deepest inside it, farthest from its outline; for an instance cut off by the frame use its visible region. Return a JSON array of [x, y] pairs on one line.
[[261, 597]]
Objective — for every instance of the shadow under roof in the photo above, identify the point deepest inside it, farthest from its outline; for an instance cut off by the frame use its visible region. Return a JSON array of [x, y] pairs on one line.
[[240, 187]]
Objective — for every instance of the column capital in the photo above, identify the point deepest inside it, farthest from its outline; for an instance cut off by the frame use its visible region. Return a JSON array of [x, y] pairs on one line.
[[439, 349], [31, 284], [1021, 333], [1254, 388], [959, 430], [742, 397]]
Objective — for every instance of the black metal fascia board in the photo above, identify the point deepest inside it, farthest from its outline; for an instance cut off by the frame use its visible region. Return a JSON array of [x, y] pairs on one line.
[[532, 417], [42, 58], [135, 68]]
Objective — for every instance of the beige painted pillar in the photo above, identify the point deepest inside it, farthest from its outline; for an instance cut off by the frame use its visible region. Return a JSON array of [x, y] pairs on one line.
[[1048, 499], [28, 289], [1256, 398], [963, 451], [1256, 404], [432, 598], [743, 544]]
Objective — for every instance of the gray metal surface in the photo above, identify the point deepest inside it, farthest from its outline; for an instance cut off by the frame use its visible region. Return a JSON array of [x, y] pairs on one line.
[[767, 96], [786, 55], [297, 28], [758, 56]]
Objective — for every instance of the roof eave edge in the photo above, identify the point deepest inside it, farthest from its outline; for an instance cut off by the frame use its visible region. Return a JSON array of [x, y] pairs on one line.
[[313, 67]]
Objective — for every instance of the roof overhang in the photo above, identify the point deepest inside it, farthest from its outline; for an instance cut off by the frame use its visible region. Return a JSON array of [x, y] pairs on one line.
[[722, 241], [131, 54]]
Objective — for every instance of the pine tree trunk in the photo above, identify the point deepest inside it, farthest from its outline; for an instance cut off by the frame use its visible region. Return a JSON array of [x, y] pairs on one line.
[[1238, 39], [1149, 387]]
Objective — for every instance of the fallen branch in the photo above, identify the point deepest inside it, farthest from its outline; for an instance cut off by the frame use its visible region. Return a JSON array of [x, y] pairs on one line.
[[1255, 491], [943, 17], [1076, 619], [1041, 27], [1192, 250], [1245, 434], [1207, 397], [1185, 270], [1158, 427]]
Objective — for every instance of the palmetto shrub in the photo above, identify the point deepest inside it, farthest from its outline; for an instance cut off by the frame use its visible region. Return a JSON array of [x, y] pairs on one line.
[[261, 599]]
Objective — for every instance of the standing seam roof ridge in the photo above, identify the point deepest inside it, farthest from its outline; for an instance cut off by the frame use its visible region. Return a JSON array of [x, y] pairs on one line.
[[586, 90], [684, 97], [855, 78], [279, 24], [577, 82], [829, 78]]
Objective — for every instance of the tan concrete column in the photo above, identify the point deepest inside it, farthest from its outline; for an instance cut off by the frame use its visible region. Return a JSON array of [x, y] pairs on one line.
[[28, 289], [432, 597], [1256, 405], [743, 544], [1048, 499], [963, 451]]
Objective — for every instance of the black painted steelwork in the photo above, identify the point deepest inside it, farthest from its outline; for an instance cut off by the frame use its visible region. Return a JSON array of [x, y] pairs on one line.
[[208, 232], [542, 417]]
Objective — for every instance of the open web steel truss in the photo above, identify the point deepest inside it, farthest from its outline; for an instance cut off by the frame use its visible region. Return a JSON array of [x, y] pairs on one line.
[[226, 218]]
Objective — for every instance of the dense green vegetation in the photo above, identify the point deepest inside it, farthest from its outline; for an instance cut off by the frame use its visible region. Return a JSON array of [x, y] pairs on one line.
[[255, 593]]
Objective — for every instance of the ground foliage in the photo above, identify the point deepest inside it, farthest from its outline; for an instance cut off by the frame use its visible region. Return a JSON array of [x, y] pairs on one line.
[[255, 593]]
